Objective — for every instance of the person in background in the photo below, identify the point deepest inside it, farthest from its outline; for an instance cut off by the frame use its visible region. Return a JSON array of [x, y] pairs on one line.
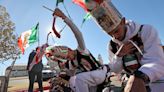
[[35, 67]]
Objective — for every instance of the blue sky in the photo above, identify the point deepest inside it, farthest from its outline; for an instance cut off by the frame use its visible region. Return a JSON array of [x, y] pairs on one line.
[[26, 13]]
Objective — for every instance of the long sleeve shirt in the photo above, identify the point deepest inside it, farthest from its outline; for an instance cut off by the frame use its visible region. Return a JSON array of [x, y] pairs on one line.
[[152, 62], [31, 56]]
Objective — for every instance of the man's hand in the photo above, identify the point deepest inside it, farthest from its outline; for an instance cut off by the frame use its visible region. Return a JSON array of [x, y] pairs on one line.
[[59, 13], [127, 49], [135, 84]]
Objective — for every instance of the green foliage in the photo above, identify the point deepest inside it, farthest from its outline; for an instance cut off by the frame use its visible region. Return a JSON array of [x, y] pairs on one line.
[[8, 40]]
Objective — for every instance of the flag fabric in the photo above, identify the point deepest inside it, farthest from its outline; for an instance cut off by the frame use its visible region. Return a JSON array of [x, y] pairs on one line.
[[59, 1], [82, 3], [86, 17], [28, 37]]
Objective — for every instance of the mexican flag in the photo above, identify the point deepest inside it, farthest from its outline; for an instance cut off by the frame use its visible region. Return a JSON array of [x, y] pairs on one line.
[[59, 1], [28, 37], [86, 17], [82, 3]]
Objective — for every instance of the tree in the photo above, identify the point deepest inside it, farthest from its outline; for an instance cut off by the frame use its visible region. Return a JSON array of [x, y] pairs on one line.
[[8, 39]]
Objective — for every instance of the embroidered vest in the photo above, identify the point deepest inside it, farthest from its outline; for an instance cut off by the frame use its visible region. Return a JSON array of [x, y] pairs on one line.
[[84, 63]]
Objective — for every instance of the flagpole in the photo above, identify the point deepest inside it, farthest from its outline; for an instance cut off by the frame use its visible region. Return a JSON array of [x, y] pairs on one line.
[[48, 36], [38, 34], [67, 11], [47, 8], [62, 29], [53, 11]]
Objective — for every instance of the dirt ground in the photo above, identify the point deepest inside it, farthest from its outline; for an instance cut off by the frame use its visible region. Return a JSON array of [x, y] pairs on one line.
[[21, 83]]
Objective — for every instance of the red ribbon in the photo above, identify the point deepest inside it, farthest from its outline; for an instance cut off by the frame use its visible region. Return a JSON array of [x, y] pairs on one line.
[[54, 29]]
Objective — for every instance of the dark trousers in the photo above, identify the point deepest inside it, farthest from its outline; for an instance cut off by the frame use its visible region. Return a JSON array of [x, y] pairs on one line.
[[32, 80]]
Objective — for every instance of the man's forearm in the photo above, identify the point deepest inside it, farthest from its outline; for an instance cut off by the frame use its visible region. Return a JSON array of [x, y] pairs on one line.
[[135, 84]]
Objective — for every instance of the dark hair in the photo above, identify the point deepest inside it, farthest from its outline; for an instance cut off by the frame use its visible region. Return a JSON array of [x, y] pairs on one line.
[[37, 48]]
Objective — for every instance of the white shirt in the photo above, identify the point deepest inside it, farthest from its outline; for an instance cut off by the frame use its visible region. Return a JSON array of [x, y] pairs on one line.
[[152, 62]]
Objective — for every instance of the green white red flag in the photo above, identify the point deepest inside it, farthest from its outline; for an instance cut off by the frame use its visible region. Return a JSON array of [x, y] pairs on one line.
[[28, 37], [59, 1], [82, 3], [86, 17]]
